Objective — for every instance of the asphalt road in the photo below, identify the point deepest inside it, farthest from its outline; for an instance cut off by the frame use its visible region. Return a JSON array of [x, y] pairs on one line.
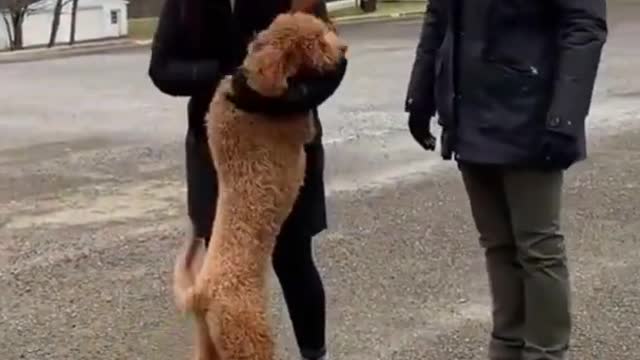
[[92, 212]]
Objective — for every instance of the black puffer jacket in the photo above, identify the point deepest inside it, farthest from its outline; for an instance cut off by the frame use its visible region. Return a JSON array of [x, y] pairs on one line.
[[196, 43], [505, 76]]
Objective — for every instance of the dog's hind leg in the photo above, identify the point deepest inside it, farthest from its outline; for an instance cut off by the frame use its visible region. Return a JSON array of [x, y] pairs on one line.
[[261, 341], [188, 265], [246, 335], [205, 347]]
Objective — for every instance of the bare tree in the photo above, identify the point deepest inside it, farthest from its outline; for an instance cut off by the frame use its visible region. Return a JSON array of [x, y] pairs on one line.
[[55, 23], [13, 13], [8, 28], [74, 11]]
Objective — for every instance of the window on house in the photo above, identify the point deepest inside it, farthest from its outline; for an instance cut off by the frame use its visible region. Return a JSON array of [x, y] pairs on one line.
[[114, 16]]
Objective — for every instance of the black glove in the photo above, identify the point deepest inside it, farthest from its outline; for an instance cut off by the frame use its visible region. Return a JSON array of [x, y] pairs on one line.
[[558, 151], [303, 94], [419, 126]]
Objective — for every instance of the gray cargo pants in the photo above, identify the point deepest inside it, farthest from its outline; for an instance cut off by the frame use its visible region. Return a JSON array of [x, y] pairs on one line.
[[517, 215]]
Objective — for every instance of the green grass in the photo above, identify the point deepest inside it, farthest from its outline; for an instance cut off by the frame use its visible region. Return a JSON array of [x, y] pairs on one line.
[[143, 29]]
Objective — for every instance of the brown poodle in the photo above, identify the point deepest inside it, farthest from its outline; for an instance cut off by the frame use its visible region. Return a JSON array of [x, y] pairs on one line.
[[261, 165]]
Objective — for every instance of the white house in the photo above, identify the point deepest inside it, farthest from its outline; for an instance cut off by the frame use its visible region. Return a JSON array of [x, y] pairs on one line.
[[95, 20]]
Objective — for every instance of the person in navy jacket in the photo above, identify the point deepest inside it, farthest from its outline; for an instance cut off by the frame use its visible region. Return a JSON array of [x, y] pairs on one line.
[[511, 82]]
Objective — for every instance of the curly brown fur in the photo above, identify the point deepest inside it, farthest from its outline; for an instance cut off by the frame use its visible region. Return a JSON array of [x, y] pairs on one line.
[[293, 44], [261, 165], [311, 7]]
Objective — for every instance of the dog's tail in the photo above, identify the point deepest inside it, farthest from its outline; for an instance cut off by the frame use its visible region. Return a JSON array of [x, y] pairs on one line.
[[188, 265]]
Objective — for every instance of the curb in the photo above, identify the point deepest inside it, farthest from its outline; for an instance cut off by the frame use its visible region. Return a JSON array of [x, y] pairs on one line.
[[64, 52], [360, 19], [128, 45]]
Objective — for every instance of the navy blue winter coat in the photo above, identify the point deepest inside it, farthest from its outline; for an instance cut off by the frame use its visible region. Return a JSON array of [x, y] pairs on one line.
[[504, 75]]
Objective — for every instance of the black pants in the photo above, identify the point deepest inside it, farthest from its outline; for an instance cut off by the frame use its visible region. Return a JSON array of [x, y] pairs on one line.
[[293, 254]]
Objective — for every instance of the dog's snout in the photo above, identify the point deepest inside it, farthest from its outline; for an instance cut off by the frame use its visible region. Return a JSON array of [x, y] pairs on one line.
[[335, 41]]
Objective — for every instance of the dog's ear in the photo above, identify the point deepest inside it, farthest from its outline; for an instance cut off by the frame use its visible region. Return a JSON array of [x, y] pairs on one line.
[[266, 70]]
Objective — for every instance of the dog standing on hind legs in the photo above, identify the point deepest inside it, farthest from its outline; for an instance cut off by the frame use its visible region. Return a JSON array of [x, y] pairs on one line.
[[261, 166]]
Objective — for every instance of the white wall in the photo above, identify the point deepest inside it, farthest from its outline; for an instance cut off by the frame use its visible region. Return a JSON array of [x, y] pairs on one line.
[[36, 29], [4, 37], [93, 22], [120, 28]]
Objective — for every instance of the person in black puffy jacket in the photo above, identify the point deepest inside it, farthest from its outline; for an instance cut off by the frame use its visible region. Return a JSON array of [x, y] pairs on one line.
[[511, 82], [198, 42]]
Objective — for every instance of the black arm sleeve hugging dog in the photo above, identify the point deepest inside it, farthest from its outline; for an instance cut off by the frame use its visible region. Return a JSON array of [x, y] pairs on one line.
[[303, 94]]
